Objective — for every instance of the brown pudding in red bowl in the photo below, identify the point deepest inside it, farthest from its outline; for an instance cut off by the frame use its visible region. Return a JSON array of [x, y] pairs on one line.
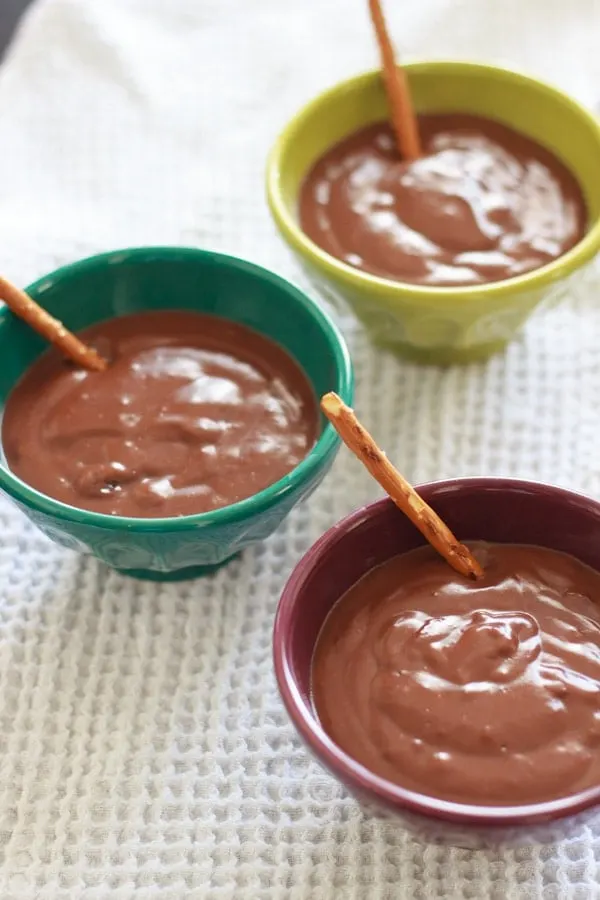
[[469, 709]]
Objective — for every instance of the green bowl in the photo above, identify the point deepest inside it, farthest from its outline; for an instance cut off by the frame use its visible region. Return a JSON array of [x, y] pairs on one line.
[[439, 325], [129, 281]]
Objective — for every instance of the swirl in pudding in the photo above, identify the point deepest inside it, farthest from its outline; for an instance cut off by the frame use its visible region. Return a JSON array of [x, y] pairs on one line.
[[483, 203], [482, 692], [194, 413]]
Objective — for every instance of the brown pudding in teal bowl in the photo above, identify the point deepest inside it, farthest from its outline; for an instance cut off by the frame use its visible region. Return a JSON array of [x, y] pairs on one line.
[[204, 430]]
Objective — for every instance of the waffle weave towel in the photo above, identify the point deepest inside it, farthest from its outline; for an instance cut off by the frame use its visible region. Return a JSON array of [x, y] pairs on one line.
[[144, 752]]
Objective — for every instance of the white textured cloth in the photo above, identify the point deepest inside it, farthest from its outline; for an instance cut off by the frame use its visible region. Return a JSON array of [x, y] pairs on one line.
[[144, 751]]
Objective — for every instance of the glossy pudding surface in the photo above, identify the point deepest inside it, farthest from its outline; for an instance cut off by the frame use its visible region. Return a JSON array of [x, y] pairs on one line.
[[193, 413], [484, 693], [484, 203]]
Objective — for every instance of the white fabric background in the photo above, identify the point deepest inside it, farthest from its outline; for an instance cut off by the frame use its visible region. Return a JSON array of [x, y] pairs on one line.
[[143, 749]]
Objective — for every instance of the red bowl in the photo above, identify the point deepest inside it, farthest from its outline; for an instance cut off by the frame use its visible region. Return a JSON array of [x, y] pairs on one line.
[[492, 509]]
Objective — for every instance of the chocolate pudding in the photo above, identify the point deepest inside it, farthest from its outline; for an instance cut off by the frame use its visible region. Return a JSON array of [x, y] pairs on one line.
[[482, 204], [482, 692], [193, 413]]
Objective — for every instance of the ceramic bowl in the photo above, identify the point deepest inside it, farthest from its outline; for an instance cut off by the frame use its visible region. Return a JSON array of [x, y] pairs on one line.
[[479, 508], [129, 281], [438, 325]]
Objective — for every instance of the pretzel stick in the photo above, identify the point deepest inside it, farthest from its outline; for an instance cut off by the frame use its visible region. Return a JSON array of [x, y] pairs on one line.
[[360, 442], [51, 329], [402, 113]]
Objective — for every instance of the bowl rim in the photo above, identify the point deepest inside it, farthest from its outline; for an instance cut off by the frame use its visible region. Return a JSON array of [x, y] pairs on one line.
[[344, 767], [226, 515], [341, 272]]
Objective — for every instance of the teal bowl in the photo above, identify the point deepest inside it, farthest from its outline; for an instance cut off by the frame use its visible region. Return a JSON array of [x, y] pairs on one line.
[[130, 281]]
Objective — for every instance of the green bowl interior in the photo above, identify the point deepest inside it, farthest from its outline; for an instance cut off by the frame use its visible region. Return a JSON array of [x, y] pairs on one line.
[[118, 285], [121, 283], [526, 105]]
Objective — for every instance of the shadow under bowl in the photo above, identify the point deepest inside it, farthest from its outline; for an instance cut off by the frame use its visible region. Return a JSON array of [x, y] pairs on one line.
[[438, 325], [490, 509], [132, 281]]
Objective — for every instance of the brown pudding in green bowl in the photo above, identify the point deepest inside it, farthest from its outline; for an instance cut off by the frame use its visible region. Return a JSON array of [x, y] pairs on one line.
[[201, 434]]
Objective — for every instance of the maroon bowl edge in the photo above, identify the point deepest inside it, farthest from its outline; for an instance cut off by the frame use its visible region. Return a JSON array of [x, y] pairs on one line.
[[358, 779]]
